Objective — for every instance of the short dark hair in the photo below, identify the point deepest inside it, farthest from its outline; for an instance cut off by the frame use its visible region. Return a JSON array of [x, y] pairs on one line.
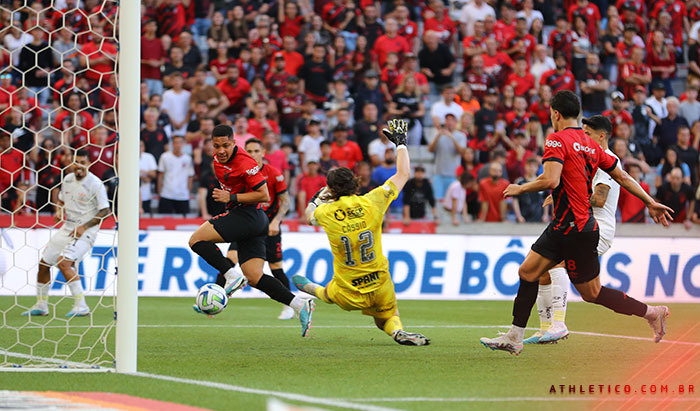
[[82, 153], [326, 143], [254, 140], [342, 182], [466, 178], [566, 103], [222, 130], [599, 123], [178, 136], [630, 166]]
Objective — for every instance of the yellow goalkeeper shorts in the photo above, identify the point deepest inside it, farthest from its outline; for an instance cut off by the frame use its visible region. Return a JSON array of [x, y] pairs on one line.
[[380, 303]]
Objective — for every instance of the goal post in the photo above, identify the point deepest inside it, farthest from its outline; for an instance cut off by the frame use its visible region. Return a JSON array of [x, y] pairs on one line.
[[129, 72]]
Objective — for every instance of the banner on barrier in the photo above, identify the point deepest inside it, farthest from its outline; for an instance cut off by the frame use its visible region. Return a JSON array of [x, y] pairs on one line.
[[452, 267]]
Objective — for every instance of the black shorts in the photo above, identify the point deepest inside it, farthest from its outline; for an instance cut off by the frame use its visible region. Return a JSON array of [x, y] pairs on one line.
[[168, 206], [273, 248], [246, 226], [579, 251]]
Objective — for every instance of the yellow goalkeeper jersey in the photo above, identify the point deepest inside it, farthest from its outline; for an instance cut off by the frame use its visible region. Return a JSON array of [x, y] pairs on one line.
[[353, 225]]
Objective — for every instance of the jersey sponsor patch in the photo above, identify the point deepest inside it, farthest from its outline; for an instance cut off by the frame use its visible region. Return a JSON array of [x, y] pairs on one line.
[[365, 280], [253, 171], [552, 143]]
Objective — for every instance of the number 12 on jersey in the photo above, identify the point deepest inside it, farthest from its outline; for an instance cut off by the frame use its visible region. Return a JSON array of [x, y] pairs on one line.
[[366, 242]]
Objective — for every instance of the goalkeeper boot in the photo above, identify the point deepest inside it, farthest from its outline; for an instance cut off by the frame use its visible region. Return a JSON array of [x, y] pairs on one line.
[[405, 338], [554, 334], [287, 313], [38, 309], [657, 320], [534, 338], [304, 284], [503, 343], [235, 281], [79, 310], [305, 315]]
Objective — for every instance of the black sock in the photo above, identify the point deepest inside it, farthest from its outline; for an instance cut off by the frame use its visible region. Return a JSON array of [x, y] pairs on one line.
[[220, 280], [524, 301], [620, 302], [212, 255], [274, 289], [280, 275]]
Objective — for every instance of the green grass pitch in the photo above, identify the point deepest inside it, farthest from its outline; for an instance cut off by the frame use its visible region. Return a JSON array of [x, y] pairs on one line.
[[347, 358]]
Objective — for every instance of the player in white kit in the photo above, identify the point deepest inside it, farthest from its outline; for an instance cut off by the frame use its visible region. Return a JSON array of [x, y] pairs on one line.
[[552, 291], [82, 205]]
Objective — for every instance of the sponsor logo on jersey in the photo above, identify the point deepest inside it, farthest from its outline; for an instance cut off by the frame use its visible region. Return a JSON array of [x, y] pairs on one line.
[[552, 143], [356, 212], [339, 215], [585, 149], [253, 171], [365, 279], [279, 178]]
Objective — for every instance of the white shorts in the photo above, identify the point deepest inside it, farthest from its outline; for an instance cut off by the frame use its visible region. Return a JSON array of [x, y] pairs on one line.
[[62, 244], [604, 245]]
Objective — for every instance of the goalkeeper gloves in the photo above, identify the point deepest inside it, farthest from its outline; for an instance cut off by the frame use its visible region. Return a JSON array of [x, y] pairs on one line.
[[397, 131]]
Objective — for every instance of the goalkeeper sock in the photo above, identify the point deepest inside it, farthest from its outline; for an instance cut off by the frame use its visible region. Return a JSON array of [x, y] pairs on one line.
[[560, 283], [42, 292], [620, 302], [393, 324], [320, 292], [212, 255], [275, 290], [527, 295], [280, 275], [76, 288], [544, 306]]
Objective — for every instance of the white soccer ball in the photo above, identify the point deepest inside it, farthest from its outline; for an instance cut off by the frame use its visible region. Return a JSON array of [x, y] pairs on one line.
[[211, 299]]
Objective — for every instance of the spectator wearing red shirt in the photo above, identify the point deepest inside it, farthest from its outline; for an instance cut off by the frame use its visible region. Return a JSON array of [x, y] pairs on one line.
[[630, 16], [293, 60], [521, 43], [441, 23], [235, 88], [632, 209], [333, 15], [275, 156], [477, 79], [592, 15], [676, 9], [277, 76], [661, 61], [639, 6], [618, 114], [6, 90], [99, 56], [390, 41], [347, 153], [493, 205], [260, 123], [540, 108], [152, 58], [308, 184], [171, 18], [504, 28], [11, 164], [673, 38], [474, 45], [634, 73], [407, 29], [410, 68], [518, 154], [560, 78], [72, 124], [496, 63], [221, 63], [623, 49], [290, 19], [516, 120], [521, 80], [561, 39], [101, 152]]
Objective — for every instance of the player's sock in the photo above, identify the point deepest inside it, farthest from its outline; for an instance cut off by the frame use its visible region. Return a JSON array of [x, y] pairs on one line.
[[42, 293], [280, 275], [212, 255], [297, 303], [275, 290], [560, 283], [527, 294], [516, 333], [76, 288], [544, 305], [220, 280], [620, 302], [393, 324]]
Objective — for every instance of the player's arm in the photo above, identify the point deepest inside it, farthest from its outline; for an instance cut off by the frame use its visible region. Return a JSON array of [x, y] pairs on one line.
[[315, 201], [96, 220], [548, 180], [259, 195], [657, 211], [600, 195], [397, 135], [283, 199]]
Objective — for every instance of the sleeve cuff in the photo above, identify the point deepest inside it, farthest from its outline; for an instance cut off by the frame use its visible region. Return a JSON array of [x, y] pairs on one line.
[[557, 159], [607, 170], [260, 184]]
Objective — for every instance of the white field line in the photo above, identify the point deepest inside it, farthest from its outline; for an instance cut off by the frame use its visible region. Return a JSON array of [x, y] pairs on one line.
[[453, 326], [523, 399]]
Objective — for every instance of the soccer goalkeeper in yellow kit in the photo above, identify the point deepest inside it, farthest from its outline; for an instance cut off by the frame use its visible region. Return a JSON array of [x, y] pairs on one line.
[[354, 225]]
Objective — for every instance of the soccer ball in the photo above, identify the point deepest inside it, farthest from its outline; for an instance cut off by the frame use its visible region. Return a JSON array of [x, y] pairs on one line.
[[211, 299]]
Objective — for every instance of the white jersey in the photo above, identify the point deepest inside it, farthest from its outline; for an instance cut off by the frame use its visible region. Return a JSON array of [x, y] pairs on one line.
[[82, 199], [176, 170], [605, 216]]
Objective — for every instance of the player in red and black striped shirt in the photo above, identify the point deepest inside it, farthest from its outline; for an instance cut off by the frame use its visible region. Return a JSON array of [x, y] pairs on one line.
[[571, 159], [243, 189]]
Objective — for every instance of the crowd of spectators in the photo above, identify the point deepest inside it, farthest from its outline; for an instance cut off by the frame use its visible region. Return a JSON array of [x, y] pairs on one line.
[[316, 81]]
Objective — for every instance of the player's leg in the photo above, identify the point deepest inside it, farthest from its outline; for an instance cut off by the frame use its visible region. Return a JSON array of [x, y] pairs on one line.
[[559, 290], [317, 290], [543, 256], [385, 311], [273, 251], [544, 308], [251, 253], [80, 307], [203, 242], [43, 285]]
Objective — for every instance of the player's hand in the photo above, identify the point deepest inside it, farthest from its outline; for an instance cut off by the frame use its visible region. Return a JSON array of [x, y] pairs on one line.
[[78, 232], [221, 196], [660, 213], [59, 216], [274, 228], [397, 131], [548, 201], [513, 190]]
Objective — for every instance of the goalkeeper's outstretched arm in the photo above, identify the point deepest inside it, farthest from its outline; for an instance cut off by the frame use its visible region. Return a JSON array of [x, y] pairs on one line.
[[397, 134]]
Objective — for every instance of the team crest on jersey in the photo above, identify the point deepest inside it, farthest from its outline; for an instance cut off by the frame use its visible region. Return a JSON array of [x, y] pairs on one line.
[[253, 171], [339, 215], [279, 178]]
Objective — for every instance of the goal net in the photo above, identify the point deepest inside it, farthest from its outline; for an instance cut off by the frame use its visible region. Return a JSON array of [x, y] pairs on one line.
[[58, 95]]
